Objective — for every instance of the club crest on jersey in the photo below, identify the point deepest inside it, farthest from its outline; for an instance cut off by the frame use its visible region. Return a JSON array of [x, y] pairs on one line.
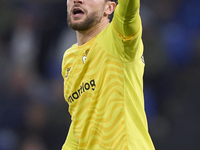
[[85, 56]]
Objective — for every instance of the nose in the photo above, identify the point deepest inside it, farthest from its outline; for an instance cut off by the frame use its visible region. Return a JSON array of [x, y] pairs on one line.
[[74, 1], [78, 1]]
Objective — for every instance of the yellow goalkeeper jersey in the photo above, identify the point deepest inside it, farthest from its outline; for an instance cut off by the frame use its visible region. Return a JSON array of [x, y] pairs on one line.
[[103, 85]]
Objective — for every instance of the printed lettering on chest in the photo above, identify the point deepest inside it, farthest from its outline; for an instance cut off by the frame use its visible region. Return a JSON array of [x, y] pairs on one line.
[[84, 87]]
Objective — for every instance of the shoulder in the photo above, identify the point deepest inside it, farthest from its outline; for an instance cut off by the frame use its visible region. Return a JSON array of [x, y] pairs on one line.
[[73, 47], [68, 54]]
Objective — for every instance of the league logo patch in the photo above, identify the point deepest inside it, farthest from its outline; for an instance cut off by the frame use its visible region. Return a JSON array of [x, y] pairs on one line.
[[142, 57]]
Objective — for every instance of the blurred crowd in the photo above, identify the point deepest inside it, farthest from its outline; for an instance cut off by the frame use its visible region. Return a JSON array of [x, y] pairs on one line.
[[33, 37]]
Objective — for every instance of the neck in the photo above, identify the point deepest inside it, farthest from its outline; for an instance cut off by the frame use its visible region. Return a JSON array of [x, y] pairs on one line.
[[85, 36]]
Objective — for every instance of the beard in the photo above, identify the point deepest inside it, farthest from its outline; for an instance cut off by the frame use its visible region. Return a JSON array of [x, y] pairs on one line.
[[91, 20]]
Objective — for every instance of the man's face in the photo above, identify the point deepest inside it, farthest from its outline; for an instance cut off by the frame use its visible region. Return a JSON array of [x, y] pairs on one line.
[[84, 14]]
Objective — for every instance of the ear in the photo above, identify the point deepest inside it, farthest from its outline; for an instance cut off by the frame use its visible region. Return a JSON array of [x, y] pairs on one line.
[[109, 8]]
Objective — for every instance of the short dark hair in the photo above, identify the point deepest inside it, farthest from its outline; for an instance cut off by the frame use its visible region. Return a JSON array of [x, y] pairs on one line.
[[116, 1]]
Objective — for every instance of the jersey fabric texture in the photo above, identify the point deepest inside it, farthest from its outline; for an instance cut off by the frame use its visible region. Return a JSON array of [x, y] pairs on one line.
[[103, 85]]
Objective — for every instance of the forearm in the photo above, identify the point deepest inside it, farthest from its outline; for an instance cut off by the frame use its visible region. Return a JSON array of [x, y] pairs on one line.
[[127, 18], [128, 8]]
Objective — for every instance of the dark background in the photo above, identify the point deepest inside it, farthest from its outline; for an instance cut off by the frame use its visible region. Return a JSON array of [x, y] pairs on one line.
[[33, 37]]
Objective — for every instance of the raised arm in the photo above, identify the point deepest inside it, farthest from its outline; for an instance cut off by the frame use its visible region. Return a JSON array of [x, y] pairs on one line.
[[126, 18]]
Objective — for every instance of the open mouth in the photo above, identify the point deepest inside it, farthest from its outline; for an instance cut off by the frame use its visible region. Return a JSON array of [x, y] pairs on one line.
[[77, 11]]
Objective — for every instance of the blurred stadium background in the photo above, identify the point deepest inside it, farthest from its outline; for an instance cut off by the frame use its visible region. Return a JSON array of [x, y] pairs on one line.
[[33, 37]]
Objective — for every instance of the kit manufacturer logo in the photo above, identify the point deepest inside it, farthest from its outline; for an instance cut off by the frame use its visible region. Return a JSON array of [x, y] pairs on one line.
[[68, 70]]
